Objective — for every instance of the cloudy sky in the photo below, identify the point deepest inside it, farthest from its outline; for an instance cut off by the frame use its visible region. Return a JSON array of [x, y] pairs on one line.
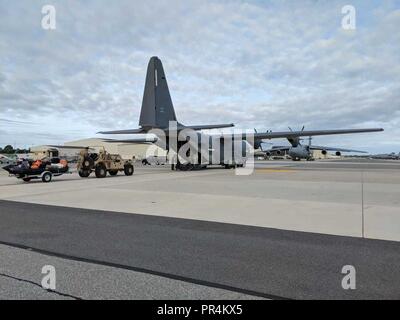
[[258, 64]]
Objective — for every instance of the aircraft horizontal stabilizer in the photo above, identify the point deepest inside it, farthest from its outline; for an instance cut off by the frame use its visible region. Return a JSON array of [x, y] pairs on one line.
[[179, 127], [273, 149], [67, 147], [128, 131], [134, 140], [210, 126]]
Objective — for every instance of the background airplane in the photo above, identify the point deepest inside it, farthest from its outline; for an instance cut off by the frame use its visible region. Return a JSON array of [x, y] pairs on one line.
[[157, 112], [386, 156], [298, 151]]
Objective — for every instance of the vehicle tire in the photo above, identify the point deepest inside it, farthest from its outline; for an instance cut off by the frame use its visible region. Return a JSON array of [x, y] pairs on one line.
[[100, 171], [47, 176], [87, 163], [26, 179], [113, 172], [84, 173], [128, 169]]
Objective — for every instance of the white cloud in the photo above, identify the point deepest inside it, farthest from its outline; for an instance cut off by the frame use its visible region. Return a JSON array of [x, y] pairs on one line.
[[257, 64]]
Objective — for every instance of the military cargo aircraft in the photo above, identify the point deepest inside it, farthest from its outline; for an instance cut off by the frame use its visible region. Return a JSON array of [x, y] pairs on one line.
[[157, 114], [298, 151]]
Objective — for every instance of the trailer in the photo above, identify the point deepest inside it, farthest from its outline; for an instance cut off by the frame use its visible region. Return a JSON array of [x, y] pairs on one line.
[[28, 170]]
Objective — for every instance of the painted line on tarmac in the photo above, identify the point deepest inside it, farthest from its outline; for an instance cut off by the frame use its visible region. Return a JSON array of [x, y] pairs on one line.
[[148, 271]]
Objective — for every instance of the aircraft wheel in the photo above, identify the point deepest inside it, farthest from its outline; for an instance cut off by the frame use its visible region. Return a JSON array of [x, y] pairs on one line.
[[84, 173], [47, 177], [185, 167], [113, 172], [100, 171], [179, 167], [26, 179], [128, 169]]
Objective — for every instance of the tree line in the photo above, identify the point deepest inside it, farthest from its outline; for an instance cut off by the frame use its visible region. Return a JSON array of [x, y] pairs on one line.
[[9, 149]]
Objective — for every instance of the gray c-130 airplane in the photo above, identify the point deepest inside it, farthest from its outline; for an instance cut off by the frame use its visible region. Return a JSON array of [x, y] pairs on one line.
[[158, 113]]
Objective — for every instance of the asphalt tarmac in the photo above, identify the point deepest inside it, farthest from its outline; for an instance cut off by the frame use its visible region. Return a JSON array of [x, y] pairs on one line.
[[240, 260]]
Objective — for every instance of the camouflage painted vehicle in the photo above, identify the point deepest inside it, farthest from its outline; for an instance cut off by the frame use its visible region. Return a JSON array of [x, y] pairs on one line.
[[102, 162]]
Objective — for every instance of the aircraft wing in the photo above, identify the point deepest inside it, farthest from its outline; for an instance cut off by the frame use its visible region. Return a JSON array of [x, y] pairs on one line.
[[304, 133], [335, 149]]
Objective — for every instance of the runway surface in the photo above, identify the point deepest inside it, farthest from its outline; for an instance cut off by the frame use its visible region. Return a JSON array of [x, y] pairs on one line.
[[205, 235]]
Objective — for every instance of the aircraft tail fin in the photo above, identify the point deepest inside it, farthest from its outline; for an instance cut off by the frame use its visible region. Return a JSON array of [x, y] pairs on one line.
[[157, 108]]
